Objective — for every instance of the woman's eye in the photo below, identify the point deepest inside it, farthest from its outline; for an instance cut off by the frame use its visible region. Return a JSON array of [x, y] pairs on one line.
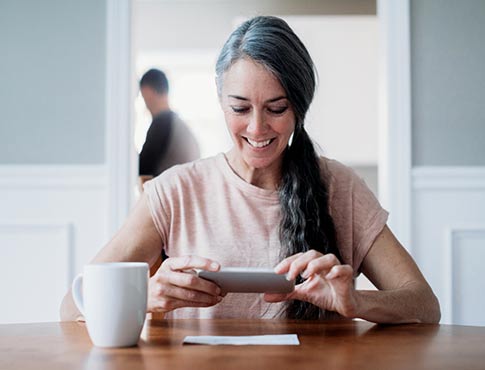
[[236, 109], [278, 110]]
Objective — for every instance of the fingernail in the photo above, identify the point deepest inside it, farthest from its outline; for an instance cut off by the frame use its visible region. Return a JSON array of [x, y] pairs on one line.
[[218, 291], [214, 266], [304, 274]]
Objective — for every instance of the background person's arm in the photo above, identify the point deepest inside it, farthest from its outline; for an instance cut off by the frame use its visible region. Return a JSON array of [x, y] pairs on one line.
[[154, 149], [143, 179]]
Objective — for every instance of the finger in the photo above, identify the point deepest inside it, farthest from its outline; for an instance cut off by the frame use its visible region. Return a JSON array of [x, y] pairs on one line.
[[169, 304], [300, 263], [284, 265], [189, 281], [191, 262], [340, 272], [320, 265], [300, 293], [190, 295]]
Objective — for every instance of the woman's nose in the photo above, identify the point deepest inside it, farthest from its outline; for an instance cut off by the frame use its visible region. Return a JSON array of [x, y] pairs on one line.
[[256, 124]]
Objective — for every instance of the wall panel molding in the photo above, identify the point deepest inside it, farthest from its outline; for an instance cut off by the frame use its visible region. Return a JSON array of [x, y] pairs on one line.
[[456, 241], [451, 178], [448, 234], [25, 177], [38, 261], [64, 229], [53, 220]]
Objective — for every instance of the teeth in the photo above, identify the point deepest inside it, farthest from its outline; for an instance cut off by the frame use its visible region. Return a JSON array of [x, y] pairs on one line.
[[259, 144]]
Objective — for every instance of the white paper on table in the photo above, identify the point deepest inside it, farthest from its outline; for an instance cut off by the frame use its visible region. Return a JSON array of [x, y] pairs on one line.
[[269, 340]]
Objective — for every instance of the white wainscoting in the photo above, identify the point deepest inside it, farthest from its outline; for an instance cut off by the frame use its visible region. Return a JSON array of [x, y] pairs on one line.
[[53, 219], [465, 256], [448, 227]]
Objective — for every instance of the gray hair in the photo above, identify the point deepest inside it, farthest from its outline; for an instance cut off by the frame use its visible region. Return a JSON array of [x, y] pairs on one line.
[[272, 43]]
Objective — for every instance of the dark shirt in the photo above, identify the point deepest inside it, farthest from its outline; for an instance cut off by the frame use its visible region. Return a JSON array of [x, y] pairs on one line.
[[156, 144]]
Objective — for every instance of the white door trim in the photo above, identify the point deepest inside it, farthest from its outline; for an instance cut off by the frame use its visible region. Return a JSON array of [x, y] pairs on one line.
[[395, 116], [119, 112]]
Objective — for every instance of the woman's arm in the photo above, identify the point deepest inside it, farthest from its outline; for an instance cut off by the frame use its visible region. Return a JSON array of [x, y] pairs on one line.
[[138, 240], [404, 296], [173, 285]]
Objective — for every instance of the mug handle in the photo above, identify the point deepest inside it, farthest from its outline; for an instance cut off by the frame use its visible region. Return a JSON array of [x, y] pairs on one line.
[[77, 294]]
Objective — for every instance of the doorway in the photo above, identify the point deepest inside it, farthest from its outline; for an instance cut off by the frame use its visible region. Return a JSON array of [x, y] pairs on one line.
[[342, 38]]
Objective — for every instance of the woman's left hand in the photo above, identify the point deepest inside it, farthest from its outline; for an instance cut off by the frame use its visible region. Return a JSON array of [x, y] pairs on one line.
[[328, 284]]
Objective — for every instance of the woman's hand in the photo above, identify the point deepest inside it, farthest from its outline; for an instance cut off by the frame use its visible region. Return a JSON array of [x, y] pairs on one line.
[[176, 285], [328, 284]]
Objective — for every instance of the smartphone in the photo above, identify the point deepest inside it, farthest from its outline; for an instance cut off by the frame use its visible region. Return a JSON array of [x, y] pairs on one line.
[[248, 280]]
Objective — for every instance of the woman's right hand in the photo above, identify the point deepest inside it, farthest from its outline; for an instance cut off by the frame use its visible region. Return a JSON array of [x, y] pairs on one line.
[[176, 285]]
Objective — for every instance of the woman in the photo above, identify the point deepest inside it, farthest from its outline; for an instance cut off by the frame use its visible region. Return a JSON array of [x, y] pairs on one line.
[[269, 201]]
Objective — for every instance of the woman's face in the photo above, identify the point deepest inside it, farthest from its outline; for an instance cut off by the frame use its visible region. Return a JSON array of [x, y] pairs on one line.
[[258, 114]]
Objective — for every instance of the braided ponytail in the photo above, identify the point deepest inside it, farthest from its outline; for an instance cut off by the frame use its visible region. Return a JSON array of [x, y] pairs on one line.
[[305, 222]]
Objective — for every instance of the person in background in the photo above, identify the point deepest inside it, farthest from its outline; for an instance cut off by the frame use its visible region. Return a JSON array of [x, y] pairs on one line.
[[168, 141], [271, 200]]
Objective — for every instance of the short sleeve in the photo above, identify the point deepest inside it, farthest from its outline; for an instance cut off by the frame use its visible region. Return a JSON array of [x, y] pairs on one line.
[[357, 214], [369, 218], [158, 205]]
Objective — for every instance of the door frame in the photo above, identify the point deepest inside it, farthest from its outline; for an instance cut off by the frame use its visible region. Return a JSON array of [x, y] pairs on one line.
[[395, 150], [120, 148], [394, 163]]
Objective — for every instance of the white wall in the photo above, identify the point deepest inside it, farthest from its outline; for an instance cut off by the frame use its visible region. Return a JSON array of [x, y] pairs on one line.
[[205, 24], [343, 116], [53, 219], [449, 238]]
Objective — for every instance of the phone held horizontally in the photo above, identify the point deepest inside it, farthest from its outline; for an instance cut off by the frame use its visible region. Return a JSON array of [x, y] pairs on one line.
[[248, 280]]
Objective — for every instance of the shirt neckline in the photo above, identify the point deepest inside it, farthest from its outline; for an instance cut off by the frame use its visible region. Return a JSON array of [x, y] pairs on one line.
[[247, 188]]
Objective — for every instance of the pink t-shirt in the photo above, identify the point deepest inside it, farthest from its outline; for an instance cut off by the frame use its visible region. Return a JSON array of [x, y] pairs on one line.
[[204, 208]]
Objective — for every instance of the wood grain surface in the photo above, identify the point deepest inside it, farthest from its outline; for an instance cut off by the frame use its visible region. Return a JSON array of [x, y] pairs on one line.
[[324, 345]]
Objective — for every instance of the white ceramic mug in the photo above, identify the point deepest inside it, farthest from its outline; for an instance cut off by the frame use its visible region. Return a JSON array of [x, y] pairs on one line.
[[113, 300]]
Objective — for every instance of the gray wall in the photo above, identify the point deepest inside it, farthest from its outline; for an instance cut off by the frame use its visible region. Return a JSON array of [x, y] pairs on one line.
[[52, 90], [448, 82]]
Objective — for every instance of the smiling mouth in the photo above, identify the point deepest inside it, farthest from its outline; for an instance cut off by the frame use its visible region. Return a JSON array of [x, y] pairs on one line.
[[259, 144]]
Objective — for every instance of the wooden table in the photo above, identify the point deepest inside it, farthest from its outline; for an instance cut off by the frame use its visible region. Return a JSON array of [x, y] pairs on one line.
[[324, 345]]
